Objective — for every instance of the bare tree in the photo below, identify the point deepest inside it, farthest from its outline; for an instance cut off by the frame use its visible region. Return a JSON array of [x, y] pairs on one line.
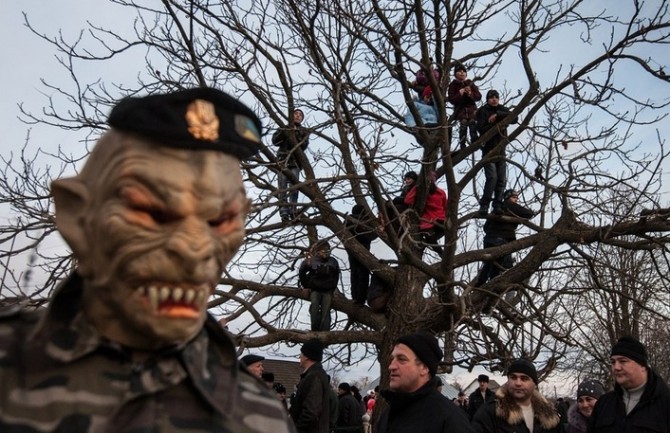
[[571, 73]]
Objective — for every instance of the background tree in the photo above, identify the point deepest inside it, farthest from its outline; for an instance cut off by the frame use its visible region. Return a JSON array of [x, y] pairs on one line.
[[578, 78]]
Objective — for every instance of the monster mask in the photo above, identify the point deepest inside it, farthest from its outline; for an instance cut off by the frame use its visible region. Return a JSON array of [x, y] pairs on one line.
[[152, 227]]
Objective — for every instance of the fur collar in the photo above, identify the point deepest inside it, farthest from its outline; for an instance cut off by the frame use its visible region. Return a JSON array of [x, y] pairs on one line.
[[508, 410], [576, 420]]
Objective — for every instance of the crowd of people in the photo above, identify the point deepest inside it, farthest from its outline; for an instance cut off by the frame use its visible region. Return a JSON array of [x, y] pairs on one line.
[[638, 403], [488, 121]]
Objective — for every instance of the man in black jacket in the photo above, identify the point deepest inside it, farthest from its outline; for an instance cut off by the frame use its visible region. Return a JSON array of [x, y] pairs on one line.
[[350, 412], [480, 396], [310, 407], [518, 406], [640, 401], [415, 405], [363, 227], [499, 231], [319, 275], [489, 117], [289, 141]]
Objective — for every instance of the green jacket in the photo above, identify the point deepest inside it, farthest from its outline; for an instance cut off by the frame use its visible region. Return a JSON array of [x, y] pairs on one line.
[[58, 374]]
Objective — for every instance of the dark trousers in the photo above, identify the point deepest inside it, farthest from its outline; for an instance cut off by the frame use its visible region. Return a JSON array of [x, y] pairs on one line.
[[360, 280], [464, 127], [493, 268], [496, 179]]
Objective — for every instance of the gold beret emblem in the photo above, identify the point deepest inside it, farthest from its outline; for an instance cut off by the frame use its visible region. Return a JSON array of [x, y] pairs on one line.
[[202, 121]]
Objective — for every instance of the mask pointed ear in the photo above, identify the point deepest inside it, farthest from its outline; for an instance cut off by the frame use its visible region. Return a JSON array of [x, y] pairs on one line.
[[71, 198]]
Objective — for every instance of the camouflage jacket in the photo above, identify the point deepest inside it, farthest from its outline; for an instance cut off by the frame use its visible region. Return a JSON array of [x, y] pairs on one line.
[[58, 375]]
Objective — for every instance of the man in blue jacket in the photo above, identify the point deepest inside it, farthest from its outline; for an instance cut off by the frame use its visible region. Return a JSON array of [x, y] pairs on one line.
[[640, 401]]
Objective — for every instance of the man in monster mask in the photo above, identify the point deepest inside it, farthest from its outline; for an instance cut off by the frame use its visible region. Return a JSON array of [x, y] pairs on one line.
[[126, 344]]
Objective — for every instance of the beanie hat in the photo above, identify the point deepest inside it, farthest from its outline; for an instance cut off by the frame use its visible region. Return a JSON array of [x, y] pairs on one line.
[[427, 91], [344, 386], [412, 175], [509, 193], [590, 388], [630, 348], [460, 67], [313, 349], [482, 378], [426, 348], [492, 93], [523, 366]]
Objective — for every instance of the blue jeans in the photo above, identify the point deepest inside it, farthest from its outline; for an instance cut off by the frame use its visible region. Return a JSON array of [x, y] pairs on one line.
[[287, 199], [319, 310], [496, 179]]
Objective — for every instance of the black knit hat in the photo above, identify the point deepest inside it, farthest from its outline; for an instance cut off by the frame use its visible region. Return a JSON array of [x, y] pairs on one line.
[[344, 386], [630, 348], [590, 388], [460, 67], [313, 349], [412, 175], [426, 348], [250, 359], [194, 119], [523, 366], [492, 93]]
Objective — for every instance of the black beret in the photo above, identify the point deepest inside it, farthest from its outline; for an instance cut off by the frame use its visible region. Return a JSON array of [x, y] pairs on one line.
[[250, 359], [194, 119]]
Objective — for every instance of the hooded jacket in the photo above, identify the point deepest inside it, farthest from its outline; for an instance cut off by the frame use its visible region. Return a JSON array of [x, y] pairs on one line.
[[504, 415], [652, 413], [424, 410]]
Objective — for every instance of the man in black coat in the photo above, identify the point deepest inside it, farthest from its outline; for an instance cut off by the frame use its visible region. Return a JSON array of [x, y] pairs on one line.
[[640, 401], [489, 117], [289, 140], [499, 231], [362, 226], [518, 406], [310, 407], [415, 405], [350, 411], [480, 396]]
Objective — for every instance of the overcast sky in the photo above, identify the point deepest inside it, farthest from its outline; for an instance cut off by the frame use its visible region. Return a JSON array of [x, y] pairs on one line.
[[26, 59]]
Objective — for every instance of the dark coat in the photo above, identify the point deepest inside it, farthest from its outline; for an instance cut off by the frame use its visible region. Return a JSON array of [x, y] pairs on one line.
[[350, 413], [652, 413], [475, 401], [496, 227], [319, 275], [465, 107], [483, 125], [504, 415], [422, 411], [287, 144], [310, 407]]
